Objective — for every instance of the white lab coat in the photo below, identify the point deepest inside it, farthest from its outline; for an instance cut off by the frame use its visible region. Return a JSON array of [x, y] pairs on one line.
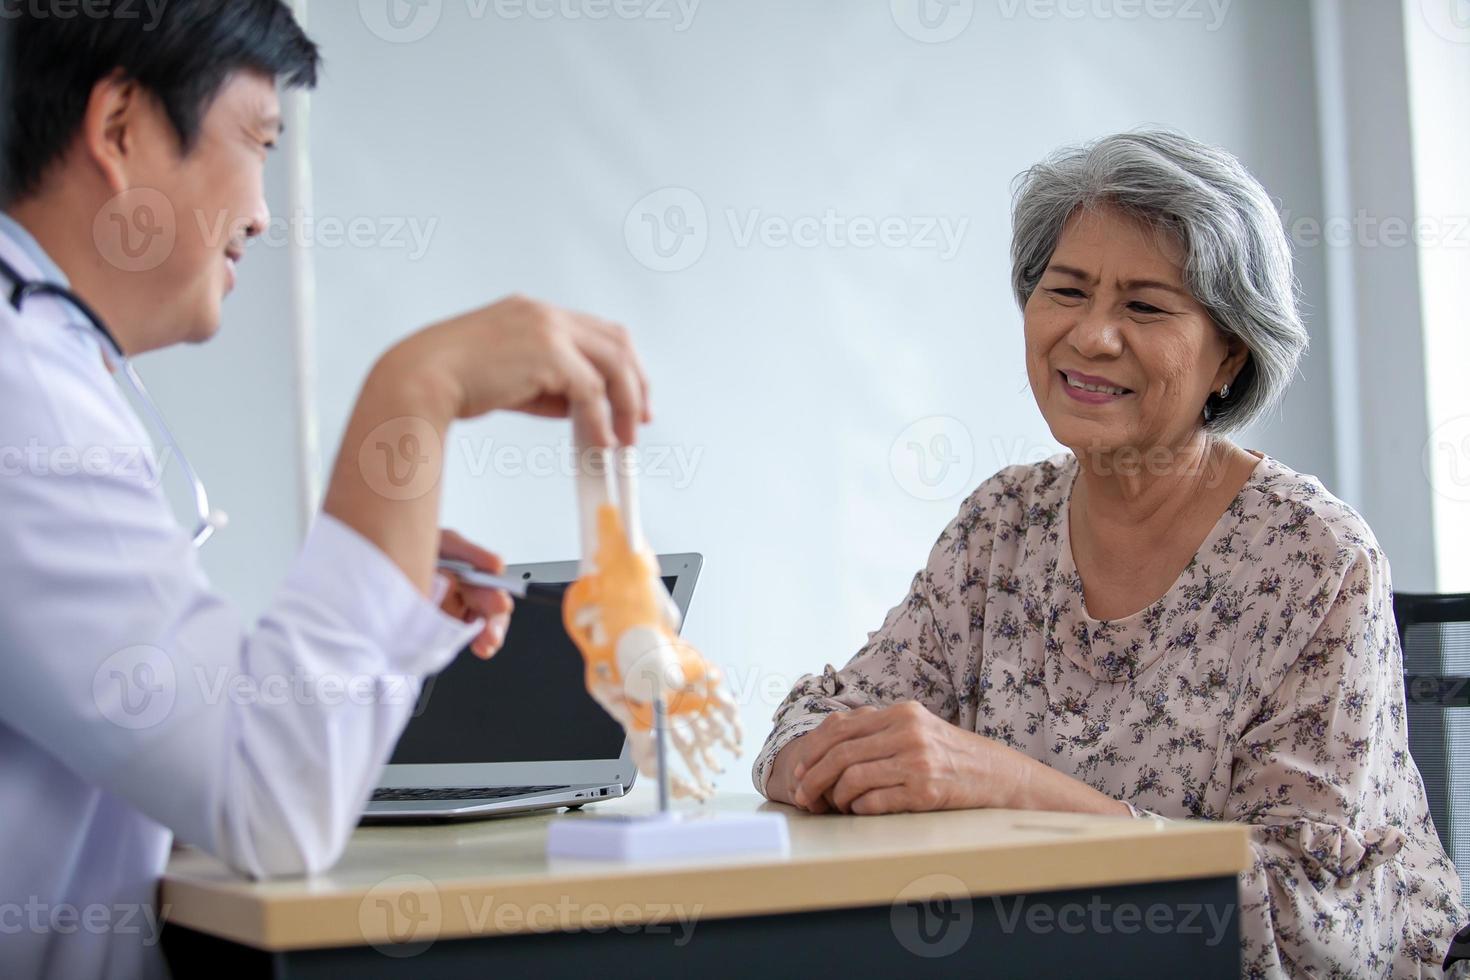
[[134, 703]]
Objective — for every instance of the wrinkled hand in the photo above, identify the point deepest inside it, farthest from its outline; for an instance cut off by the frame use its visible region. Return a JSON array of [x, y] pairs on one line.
[[900, 758], [468, 603]]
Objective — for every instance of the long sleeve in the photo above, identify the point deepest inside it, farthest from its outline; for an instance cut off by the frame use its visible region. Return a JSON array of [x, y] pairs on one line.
[[1347, 878], [119, 662], [923, 651]]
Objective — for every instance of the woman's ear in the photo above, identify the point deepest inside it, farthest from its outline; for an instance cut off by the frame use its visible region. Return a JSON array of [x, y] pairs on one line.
[[1236, 354]]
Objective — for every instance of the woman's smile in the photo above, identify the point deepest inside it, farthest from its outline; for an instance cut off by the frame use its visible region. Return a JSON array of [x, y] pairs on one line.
[[1090, 389]]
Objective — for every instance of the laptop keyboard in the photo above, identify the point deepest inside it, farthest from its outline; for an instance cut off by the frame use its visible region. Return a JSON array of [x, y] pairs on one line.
[[457, 793]]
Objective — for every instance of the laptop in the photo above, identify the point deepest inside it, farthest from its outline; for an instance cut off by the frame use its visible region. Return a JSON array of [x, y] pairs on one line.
[[517, 733]]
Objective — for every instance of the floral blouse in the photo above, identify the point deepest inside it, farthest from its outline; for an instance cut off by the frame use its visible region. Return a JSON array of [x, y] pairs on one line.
[[1266, 686]]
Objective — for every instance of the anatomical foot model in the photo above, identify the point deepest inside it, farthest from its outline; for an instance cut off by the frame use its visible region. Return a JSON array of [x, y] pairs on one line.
[[626, 624]]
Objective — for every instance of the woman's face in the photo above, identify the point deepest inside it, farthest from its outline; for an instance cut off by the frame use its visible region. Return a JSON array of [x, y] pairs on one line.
[[1119, 354]]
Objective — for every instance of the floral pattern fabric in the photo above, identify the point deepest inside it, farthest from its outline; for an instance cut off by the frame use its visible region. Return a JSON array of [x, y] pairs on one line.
[[1266, 686]]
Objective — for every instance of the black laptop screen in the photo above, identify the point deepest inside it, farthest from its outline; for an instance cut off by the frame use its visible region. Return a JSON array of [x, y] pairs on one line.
[[528, 703]]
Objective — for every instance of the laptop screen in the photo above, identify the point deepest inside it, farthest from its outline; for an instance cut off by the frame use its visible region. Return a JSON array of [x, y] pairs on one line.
[[528, 703]]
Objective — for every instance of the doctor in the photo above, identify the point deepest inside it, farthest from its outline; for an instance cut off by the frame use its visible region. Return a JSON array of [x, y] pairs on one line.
[[118, 730]]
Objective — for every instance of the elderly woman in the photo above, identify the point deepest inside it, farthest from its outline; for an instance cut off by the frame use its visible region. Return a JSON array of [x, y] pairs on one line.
[[1158, 623]]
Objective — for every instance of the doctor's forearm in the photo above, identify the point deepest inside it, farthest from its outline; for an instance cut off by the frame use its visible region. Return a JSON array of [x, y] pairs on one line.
[[386, 482]]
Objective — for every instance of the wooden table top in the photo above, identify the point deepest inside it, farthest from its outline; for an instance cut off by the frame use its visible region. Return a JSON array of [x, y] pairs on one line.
[[446, 881]]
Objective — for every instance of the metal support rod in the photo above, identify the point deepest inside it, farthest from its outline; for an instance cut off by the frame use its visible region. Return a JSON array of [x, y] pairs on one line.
[[661, 733]]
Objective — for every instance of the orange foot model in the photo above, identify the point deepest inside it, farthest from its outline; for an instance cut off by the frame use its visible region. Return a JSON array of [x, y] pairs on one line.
[[627, 626]]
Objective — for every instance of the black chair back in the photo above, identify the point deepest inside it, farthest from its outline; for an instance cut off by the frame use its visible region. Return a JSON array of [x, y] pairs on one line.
[[1434, 632]]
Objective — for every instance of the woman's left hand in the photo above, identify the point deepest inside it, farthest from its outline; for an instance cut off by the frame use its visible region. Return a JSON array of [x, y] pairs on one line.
[[903, 758]]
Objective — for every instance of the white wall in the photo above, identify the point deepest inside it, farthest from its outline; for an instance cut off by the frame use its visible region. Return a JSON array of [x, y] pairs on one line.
[[1439, 76], [1373, 300], [783, 374]]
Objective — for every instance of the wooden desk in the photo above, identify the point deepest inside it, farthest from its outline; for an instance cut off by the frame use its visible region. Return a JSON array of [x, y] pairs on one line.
[[964, 893]]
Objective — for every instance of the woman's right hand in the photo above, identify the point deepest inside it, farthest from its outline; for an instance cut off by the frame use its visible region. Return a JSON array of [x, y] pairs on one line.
[[527, 356]]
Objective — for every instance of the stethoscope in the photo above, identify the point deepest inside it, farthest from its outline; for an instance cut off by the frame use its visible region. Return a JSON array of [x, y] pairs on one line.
[[209, 520]]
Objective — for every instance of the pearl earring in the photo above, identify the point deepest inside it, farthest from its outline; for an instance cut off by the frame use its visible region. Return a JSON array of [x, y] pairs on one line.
[[1224, 391]]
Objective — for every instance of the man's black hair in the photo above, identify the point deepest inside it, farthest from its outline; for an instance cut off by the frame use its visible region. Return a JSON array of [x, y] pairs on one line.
[[53, 53]]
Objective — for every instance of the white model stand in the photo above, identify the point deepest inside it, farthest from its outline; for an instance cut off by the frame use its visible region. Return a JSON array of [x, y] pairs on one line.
[[666, 834]]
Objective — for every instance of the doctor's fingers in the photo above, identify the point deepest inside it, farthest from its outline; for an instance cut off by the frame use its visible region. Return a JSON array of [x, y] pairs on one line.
[[622, 341], [494, 608], [456, 546], [610, 352]]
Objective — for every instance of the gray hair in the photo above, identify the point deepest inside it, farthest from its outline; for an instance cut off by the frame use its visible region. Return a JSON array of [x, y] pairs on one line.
[[1237, 259]]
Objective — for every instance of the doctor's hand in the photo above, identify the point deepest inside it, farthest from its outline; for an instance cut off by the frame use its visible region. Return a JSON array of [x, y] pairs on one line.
[[518, 355], [468, 603], [527, 356]]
